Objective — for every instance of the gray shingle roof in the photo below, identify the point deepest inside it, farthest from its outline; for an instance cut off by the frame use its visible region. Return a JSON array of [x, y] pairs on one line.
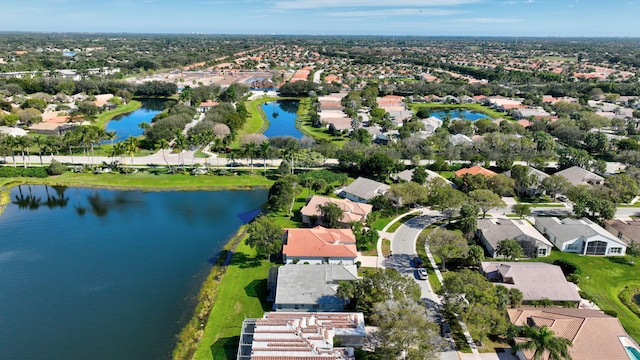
[[365, 188], [535, 280], [312, 284]]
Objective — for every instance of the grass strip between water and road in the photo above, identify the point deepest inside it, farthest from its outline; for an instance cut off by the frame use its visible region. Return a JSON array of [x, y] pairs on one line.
[[148, 181]]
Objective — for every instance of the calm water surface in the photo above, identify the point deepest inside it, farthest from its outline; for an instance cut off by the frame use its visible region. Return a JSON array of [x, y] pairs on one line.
[[462, 114], [282, 118], [101, 274], [129, 124]]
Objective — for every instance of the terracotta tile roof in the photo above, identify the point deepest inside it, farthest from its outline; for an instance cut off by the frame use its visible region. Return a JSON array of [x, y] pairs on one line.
[[320, 242], [595, 335], [475, 170], [208, 103], [351, 211]]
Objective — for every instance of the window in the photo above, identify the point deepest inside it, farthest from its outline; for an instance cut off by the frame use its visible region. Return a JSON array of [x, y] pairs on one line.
[[316, 306], [615, 250], [542, 252], [596, 248]]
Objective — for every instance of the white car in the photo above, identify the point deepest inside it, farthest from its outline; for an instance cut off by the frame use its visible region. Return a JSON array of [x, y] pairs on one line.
[[422, 274]]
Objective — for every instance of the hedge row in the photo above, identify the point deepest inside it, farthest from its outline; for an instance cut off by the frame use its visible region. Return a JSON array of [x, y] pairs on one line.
[[10, 171]]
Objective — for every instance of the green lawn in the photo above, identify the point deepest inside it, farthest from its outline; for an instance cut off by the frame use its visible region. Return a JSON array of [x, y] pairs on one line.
[[148, 180], [603, 278], [241, 294], [381, 222], [257, 121], [402, 220]]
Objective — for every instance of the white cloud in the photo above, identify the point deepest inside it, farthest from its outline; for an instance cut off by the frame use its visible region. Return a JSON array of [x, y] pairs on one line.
[[311, 4], [394, 12], [484, 20]]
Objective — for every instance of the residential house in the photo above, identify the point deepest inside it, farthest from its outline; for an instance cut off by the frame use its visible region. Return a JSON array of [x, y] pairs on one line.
[[533, 189], [319, 245], [475, 170], [407, 175], [362, 190], [579, 176], [351, 210], [12, 131], [311, 287], [625, 230], [593, 334], [301, 336], [528, 113], [492, 231], [460, 139], [581, 236], [537, 281], [431, 124], [207, 105], [338, 124]]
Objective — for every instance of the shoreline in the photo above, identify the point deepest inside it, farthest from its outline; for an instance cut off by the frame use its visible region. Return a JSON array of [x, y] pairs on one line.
[[189, 337], [103, 119]]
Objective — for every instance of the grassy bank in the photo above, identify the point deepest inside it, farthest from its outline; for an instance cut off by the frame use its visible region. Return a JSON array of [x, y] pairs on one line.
[[103, 118], [603, 278], [148, 181], [257, 121], [239, 293]]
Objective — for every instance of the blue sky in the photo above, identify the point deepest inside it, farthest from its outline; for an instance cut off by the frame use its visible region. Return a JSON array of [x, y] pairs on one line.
[[329, 17]]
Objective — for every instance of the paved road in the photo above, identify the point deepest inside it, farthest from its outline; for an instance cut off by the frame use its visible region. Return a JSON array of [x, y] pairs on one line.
[[403, 247]]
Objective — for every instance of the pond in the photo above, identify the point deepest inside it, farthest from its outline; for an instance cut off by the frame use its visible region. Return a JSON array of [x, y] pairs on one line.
[[129, 124], [462, 114], [103, 274], [282, 115]]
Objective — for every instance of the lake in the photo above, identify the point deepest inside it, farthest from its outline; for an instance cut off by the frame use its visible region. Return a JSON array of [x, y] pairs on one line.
[[104, 274], [462, 114], [129, 124], [282, 116]]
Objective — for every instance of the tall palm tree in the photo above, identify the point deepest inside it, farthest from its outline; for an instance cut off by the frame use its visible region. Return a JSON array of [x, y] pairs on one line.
[[251, 151], [541, 340], [265, 152], [9, 142], [130, 146], [290, 152], [23, 143], [180, 144], [41, 144], [161, 145]]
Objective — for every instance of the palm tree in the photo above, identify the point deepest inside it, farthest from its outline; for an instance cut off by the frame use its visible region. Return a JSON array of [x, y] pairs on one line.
[[290, 152], [130, 146], [265, 150], [9, 142], [23, 143], [180, 143], [161, 145], [251, 150], [543, 341], [41, 144]]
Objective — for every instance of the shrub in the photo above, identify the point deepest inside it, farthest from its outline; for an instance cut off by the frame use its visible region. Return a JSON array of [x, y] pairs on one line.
[[56, 168], [568, 268], [37, 172]]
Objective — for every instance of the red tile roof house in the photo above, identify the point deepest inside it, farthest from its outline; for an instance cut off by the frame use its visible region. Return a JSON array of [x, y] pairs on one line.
[[595, 335], [475, 170], [351, 211], [319, 245]]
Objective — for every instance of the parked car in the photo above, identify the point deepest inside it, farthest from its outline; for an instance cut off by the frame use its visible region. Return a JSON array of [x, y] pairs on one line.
[[417, 262], [422, 274]]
